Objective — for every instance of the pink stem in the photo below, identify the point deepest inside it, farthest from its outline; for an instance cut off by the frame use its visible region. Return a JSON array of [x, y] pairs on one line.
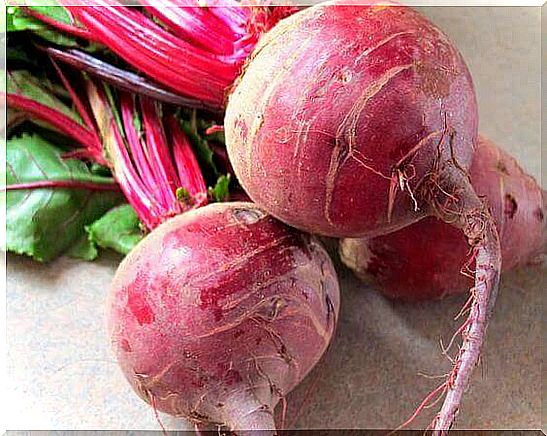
[[214, 129], [140, 198], [124, 79], [138, 154], [58, 120], [193, 25], [137, 194], [153, 50], [226, 13], [72, 184], [234, 16], [188, 169], [77, 101], [160, 157]]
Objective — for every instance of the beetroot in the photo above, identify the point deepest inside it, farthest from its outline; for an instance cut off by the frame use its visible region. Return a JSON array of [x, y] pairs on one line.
[[340, 103], [221, 311], [417, 262], [356, 121]]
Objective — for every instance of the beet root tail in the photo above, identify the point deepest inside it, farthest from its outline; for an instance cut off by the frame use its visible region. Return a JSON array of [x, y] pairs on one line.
[[245, 415], [455, 201], [481, 231]]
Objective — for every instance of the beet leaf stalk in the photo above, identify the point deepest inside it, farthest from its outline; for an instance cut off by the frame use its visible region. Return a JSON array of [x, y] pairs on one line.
[[28, 97], [64, 184], [124, 79], [159, 177], [193, 50]]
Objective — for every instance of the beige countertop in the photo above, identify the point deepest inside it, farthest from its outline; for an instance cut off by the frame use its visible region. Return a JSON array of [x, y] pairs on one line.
[[62, 375]]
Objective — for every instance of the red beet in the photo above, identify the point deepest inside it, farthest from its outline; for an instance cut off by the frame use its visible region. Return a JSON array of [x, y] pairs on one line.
[[356, 121], [417, 262], [221, 311], [339, 102]]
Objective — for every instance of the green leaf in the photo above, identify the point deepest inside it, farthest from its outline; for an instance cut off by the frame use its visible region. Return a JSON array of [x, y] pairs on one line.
[[100, 170], [13, 15], [119, 229], [83, 249], [19, 55], [204, 153], [221, 191], [45, 223], [23, 83], [182, 194], [17, 20], [53, 10]]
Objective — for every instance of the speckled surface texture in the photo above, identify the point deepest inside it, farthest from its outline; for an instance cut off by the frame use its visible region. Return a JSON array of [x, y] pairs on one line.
[[63, 376]]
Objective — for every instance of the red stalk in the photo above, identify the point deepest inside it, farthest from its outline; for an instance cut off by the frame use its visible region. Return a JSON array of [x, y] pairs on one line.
[[140, 158], [214, 129], [61, 122], [173, 62], [233, 16], [139, 28], [148, 170], [77, 102], [194, 26], [125, 80], [71, 184], [227, 14], [187, 166], [148, 62], [140, 198], [200, 53], [159, 153], [68, 28]]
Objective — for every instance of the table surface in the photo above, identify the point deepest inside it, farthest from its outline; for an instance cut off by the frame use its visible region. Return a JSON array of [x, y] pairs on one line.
[[62, 374]]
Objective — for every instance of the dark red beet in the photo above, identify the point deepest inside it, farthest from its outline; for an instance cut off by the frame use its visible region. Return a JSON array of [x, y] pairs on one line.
[[417, 262], [356, 121], [218, 313]]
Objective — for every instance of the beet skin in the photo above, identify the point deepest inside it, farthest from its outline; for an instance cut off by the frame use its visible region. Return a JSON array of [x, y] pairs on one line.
[[336, 105], [417, 262], [221, 311]]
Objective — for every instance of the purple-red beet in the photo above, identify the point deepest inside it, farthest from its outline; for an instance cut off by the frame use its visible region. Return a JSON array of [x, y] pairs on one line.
[[340, 104], [417, 262], [221, 311], [359, 120]]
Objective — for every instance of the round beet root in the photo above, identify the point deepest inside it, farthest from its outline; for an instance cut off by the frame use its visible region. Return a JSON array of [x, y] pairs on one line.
[[417, 262], [338, 105], [218, 313]]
